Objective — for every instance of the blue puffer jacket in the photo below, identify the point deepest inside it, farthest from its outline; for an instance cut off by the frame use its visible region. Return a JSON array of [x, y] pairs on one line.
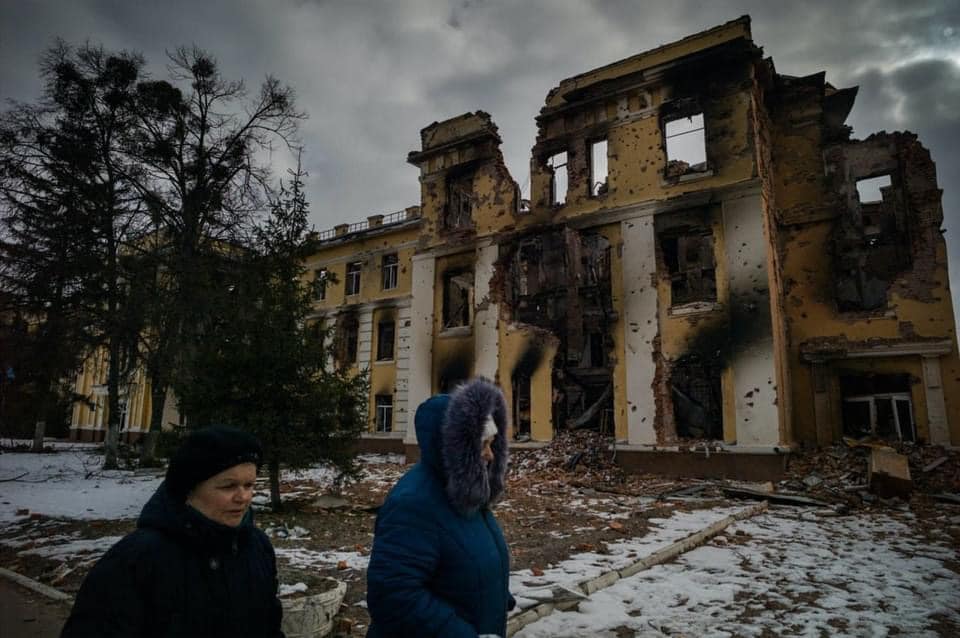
[[440, 566]]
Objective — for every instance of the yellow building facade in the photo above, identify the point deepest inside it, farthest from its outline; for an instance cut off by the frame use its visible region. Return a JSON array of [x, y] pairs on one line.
[[706, 260]]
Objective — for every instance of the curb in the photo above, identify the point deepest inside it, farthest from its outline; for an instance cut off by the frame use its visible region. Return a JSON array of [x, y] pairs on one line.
[[35, 586], [606, 579]]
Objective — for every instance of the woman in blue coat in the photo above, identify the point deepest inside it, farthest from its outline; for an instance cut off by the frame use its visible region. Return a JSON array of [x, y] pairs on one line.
[[440, 566]]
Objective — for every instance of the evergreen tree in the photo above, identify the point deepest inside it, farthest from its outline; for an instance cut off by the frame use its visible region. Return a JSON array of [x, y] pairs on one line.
[[69, 211], [263, 368]]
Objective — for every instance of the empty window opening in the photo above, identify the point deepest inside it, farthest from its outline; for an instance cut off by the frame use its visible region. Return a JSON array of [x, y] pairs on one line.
[[521, 407], [557, 164], [384, 408], [348, 331], [871, 189], [697, 399], [320, 284], [353, 278], [598, 168], [690, 261], [460, 201], [878, 406], [686, 144], [529, 275], [391, 268], [594, 351], [457, 294], [386, 332]]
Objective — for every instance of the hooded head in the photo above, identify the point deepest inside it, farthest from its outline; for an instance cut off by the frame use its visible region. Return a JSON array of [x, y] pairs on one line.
[[476, 411], [207, 452]]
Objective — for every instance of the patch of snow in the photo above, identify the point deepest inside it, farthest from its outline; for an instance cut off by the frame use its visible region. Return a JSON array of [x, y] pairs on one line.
[[864, 575], [70, 484], [287, 590], [300, 557]]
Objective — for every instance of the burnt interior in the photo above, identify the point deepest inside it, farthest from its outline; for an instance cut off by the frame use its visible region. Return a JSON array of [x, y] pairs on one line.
[[559, 281]]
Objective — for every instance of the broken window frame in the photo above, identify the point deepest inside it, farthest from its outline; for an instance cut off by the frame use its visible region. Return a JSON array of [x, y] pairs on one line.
[[681, 271], [458, 210], [383, 410], [673, 167], [348, 340], [894, 398], [352, 283], [320, 276], [553, 166], [386, 338], [390, 267], [597, 188], [460, 316]]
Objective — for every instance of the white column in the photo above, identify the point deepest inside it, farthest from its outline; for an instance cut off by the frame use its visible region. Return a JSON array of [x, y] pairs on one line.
[[936, 406], [364, 338], [401, 392], [421, 337], [486, 334], [754, 370], [640, 327]]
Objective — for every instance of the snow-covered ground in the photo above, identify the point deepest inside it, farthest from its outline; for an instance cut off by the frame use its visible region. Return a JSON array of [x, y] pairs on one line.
[[783, 573], [70, 483]]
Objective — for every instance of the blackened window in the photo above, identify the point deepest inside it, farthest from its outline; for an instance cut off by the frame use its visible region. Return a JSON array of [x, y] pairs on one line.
[[460, 200], [690, 262], [386, 331], [557, 164]]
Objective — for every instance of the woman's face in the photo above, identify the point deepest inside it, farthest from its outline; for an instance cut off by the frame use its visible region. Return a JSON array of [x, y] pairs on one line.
[[486, 451], [225, 497]]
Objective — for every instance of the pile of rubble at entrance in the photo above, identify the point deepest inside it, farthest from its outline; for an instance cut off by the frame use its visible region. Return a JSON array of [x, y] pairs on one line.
[[857, 472], [848, 475]]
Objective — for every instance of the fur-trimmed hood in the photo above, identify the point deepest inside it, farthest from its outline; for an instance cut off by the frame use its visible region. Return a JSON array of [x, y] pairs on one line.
[[469, 483]]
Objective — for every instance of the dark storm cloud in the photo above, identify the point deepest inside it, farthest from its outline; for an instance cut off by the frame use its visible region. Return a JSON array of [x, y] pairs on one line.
[[371, 74]]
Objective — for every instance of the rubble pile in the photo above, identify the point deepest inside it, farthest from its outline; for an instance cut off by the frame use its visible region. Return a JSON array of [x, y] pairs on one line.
[[576, 455], [840, 473]]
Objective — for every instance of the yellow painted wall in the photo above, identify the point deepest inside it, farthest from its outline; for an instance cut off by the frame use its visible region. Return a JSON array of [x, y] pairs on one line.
[[455, 345], [369, 250], [383, 374]]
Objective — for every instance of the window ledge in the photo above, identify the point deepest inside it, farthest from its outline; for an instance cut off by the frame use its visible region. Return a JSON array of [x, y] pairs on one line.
[[384, 362], [459, 331], [686, 177], [694, 308]]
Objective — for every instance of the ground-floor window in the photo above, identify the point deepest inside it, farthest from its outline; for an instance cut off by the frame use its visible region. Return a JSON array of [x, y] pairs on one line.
[[384, 407], [878, 406]]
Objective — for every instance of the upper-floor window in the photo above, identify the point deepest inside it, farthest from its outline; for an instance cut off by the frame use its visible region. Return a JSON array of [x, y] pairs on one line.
[[353, 278], [558, 179], [320, 284], [457, 294], [460, 200], [686, 144], [598, 168], [690, 262], [390, 269], [386, 333]]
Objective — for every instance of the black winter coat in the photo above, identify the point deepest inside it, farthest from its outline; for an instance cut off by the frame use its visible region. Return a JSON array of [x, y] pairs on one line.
[[181, 574]]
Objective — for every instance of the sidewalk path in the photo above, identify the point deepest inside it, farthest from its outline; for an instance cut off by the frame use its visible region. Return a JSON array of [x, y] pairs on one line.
[[25, 614]]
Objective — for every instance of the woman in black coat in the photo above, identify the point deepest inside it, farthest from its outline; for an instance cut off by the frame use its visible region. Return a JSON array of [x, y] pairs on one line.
[[196, 565]]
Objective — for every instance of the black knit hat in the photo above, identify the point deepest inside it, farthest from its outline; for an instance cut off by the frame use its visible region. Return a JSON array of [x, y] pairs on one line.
[[207, 452]]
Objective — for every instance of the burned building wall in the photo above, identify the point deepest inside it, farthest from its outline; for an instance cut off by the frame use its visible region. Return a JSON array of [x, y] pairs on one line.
[[865, 274]]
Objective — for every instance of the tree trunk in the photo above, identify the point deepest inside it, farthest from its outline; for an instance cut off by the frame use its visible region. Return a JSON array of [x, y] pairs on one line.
[[148, 453], [38, 432], [274, 469]]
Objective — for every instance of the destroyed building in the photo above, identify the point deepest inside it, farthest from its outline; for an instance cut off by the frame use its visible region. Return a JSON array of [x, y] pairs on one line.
[[707, 260]]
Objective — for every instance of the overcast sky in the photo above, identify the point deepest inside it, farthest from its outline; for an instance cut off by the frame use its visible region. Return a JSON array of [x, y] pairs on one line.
[[372, 74]]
